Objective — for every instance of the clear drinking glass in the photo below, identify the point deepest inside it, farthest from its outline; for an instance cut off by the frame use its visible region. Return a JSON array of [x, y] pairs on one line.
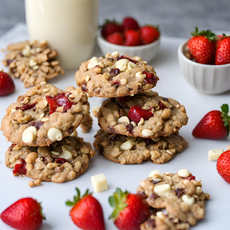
[[69, 26]]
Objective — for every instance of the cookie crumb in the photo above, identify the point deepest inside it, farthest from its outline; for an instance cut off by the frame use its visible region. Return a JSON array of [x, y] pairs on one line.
[[38, 182], [31, 183]]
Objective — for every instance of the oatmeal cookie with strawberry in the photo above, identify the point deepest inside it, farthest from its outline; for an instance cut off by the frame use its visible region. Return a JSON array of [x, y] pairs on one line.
[[115, 76], [146, 115], [32, 62], [61, 161], [130, 150], [179, 195], [45, 114]]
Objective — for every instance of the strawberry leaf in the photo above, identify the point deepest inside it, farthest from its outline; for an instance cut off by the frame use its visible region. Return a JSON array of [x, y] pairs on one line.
[[207, 33], [225, 117]]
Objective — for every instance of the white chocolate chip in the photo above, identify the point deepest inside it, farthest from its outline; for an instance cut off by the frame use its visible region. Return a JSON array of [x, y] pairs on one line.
[[44, 119], [147, 132], [43, 83], [137, 58], [93, 62], [188, 200], [155, 139], [198, 190], [214, 154], [115, 54], [169, 152], [74, 133], [133, 123], [131, 65], [140, 75], [66, 154], [26, 52], [124, 119], [35, 67], [123, 81], [99, 183], [32, 51], [160, 215], [152, 173], [122, 67], [55, 134], [87, 78], [141, 122], [95, 110], [29, 134], [127, 145], [38, 50], [122, 62], [183, 173], [12, 110], [32, 63], [162, 190], [55, 153]]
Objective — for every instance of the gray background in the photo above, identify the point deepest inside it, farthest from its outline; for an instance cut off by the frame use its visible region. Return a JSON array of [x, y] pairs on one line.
[[175, 17]]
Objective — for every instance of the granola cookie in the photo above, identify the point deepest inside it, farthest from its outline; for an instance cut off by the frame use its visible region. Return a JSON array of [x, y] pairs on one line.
[[61, 161], [114, 76], [32, 62], [179, 194], [130, 150], [144, 115], [45, 114]]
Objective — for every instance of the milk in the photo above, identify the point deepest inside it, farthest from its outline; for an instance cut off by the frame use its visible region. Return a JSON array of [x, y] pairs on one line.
[[69, 26]]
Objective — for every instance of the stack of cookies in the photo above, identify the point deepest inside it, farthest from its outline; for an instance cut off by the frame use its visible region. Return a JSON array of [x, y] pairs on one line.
[[136, 124], [32, 62], [177, 200], [42, 127]]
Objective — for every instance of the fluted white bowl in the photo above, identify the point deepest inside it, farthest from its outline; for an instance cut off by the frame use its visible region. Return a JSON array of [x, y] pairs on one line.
[[208, 79], [146, 52]]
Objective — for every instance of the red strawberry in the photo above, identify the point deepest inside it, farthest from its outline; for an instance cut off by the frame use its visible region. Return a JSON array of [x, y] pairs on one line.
[[149, 34], [130, 210], [111, 27], [223, 165], [130, 23], [214, 125], [86, 212], [116, 38], [24, 214], [6, 84], [202, 46], [136, 113], [223, 51], [219, 37], [132, 38]]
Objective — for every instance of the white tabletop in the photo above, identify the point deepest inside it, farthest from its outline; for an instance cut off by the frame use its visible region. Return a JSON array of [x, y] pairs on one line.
[[194, 157]]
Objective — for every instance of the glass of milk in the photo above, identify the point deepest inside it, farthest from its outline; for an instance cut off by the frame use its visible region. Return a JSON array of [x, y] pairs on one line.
[[69, 26]]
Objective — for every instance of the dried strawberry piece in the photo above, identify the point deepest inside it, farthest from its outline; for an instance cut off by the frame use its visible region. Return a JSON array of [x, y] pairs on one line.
[[136, 113], [162, 106], [11, 147], [61, 161], [84, 87], [26, 107], [20, 168], [9, 61], [121, 102], [114, 72], [36, 124], [148, 141], [150, 78], [116, 84], [179, 191], [190, 177], [123, 57], [59, 100], [130, 128]]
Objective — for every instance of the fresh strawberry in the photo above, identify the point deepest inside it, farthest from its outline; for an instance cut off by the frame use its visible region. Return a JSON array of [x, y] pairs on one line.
[[130, 210], [86, 212], [219, 37], [223, 165], [6, 84], [24, 214], [223, 51], [111, 27], [202, 46], [132, 38], [214, 125], [149, 34], [136, 113], [116, 38], [130, 23]]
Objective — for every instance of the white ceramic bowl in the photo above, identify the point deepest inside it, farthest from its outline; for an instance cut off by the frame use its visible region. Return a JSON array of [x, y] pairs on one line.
[[146, 52], [208, 79]]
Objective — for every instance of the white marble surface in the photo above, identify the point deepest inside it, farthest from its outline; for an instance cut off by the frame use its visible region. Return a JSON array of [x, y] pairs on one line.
[[194, 158], [176, 17]]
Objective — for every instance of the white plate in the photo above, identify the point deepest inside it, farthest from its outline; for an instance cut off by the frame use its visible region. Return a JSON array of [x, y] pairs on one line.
[[195, 157]]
